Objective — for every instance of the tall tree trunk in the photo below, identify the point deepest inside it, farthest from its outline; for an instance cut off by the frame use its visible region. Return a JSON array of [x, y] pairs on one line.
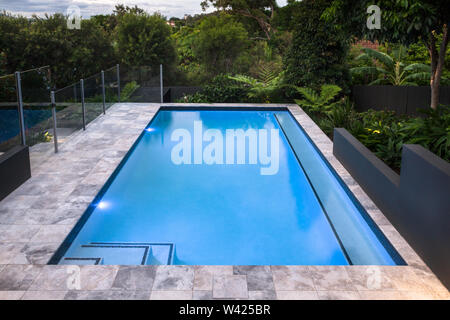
[[437, 64]]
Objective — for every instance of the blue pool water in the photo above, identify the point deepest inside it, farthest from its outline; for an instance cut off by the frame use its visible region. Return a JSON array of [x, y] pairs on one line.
[[9, 121], [155, 211]]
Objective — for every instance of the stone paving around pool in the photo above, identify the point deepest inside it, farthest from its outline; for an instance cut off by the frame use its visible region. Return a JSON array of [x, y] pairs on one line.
[[36, 218]]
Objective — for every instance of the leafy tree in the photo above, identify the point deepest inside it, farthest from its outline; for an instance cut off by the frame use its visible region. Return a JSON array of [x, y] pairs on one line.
[[219, 41], [145, 40], [318, 52], [260, 10], [391, 70], [402, 21], [72, 54], [13, 40]]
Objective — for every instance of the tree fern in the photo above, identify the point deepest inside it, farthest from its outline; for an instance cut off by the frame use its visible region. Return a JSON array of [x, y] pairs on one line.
[[318, 102], [262, 88]]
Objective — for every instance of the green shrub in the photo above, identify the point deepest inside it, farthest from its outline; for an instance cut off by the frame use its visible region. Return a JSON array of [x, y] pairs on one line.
[[382, 132], [318, 52], [318, 103], [128, 90], [221, 90]]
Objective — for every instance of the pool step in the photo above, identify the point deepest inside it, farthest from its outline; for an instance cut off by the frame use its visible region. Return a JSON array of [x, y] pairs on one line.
[[122, 253]]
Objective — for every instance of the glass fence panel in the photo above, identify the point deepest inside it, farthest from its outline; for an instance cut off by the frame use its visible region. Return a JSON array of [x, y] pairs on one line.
[[140, 84], [111, 87], [69, 116], [9, 115], [177, 87], [36, 106], [93, 97]]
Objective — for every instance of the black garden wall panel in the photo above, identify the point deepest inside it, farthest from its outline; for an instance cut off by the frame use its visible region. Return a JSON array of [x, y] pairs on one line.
[[401, 99], [417, 202], [14, 169]]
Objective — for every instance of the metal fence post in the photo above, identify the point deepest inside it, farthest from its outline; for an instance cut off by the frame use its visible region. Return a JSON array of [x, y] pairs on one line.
[[83, 107], [103, 92], [161, 82], [20, 108], [55, 137], [118, 83]]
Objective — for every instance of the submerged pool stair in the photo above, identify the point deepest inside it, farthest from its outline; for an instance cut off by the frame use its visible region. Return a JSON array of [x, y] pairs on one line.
[[122, 253]]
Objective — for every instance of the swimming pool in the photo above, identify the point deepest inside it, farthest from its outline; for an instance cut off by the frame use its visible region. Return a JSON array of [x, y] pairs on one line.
[[190, 192]]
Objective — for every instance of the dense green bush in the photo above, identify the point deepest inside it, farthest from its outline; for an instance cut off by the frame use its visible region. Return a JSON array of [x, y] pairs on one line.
[[72, 54], [384, 132], [144, 40], [221, 90], [318, 51], [218, 43]]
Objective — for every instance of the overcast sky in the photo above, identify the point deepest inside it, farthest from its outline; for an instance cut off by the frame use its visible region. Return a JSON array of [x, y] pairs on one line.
[[169, 8]]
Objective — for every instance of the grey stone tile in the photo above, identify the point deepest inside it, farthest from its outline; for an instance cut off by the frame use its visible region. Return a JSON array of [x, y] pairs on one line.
[[35, 253], [52, 233], [230, 287], [370, 278], [405, 279], [98, 277], [96, 178], [262, 295], [86, 190], [171, 295], [47, 202], [429, 280], [8, 251], [18, 277], [107, 295], [331, 278], [338, 295], [203, 279], [174, 278], [15, 202], [84, 278], [57, 278], [135, 278], [17, 233], [259, 278], [44, 295], [29, 217], [296, 295], [202, 295], [382, 295], [292, 278], [11, 295]]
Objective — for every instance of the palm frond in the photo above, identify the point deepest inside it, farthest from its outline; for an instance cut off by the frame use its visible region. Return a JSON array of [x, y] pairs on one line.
[[418, 67], [380, 56], [377, 81], [364, 70], [418, 76]]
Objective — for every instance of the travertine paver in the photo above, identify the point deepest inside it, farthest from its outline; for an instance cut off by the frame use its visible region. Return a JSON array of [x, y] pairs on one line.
[[172, 278], [230, 287], [36, 217]]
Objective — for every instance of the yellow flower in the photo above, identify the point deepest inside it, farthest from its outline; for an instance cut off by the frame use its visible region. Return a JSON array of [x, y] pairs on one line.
[[376, 131]]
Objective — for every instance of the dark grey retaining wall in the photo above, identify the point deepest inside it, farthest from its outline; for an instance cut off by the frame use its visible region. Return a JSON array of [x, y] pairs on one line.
[[401, 99], [417, 202], [14, 169]]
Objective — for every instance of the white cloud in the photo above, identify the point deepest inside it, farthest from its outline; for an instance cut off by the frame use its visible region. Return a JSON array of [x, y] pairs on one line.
[[169, 8]]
